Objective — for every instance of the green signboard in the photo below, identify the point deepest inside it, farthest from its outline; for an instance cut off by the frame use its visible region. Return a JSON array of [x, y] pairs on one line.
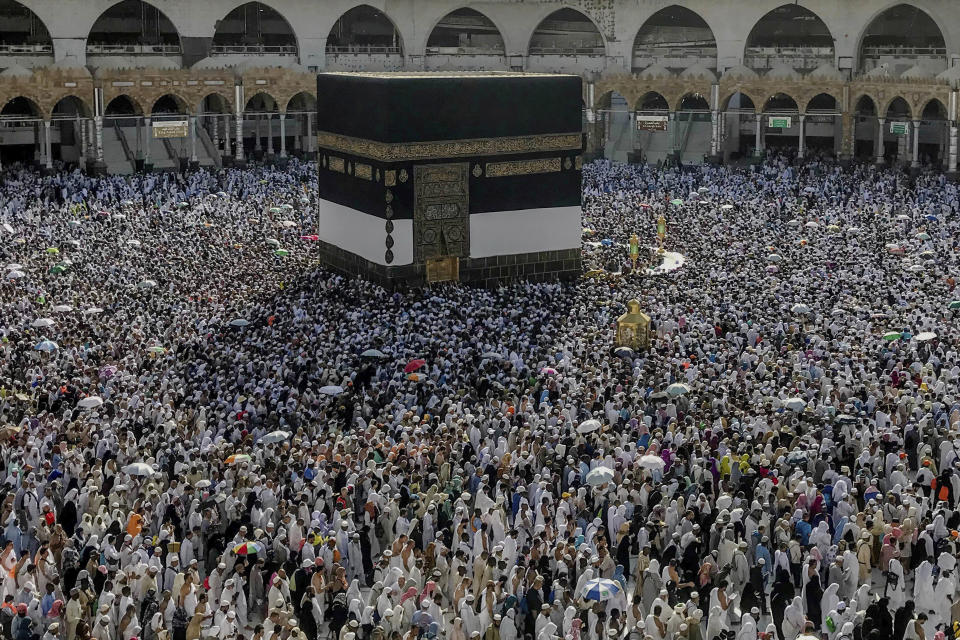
[[779, 122], [898, 128]]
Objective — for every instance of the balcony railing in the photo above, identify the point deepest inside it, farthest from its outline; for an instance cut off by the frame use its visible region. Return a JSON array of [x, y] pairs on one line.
[[365, 48], [567, 51], [254, 49], [25, 49], [675, 52], [903, 52], [133, 49], [464, 51]]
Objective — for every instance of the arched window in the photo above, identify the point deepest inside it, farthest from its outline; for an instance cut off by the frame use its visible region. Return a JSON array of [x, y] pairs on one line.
[[566, 32], [790, 35], [254, 28], [674, 37], [364, 29], [901, 37], [465, 31], [21, 31], [133, 27]]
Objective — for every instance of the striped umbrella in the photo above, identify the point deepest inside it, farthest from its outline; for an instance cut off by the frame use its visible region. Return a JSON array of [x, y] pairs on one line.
[[600, 589], [248, 548]]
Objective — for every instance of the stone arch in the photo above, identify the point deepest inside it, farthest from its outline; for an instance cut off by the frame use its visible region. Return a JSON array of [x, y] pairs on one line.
[[162, 31], [27, 106], [692, 101], [278, 42], [931, 108], [670, 28], [746, 93], [22, 27], [902, 106], [771, 30], [858, 103], [821, 98], [433, 37], [218, 99], [652, 101], [123, 104], [538, 42], [342, 39], [781, 101], [263, 102], [925, 14], [170, 103], [303, 101], [79, 105]]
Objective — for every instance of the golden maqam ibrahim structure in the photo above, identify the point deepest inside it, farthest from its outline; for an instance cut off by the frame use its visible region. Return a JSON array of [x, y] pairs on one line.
[[633, 328]]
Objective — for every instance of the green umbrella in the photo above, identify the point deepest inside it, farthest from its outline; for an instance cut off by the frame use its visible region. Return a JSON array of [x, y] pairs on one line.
[[890, 336], [954, 304], [53, 251], [288, 207], [677, 202], [923, 235], [57, 269], [156, 349], [281, 252], [275, 210], [182, 205]]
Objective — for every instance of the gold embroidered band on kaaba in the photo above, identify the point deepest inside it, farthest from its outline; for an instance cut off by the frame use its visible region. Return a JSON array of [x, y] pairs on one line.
[[406, 151]]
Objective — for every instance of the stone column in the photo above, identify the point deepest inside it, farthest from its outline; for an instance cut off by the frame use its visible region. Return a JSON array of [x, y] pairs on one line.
[[915, 161], [239, 136], [216, 134], [38, 146], [283, 135], [758, 149], [311, 142], [878, 147], [952, 149], [81, 128], [193, 138], [714, 132], [803, 137], [98, 123], [269, 119], [256, 132], [147, 139], [47, 144]]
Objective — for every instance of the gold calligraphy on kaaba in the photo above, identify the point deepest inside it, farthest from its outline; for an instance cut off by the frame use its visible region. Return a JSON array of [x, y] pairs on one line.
[[336, 164], [522, 167], [364, 171], [404, 151]]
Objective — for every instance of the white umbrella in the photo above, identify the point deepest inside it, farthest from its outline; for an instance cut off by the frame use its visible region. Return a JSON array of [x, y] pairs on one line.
[[800, 308], [239, 322], [726, 207], [774, 257], [651, 462], [92, 311], [275, 436], [90, 402], [588, 426], [133, 243], [147, 284], [138, 469], [599, 476], [811, 225], [14, 266], [41, 323], [202, 484], [331, 390], [795, 404], [63, 308], [16, 274], [678, 389], [288, 224], [925, 336]]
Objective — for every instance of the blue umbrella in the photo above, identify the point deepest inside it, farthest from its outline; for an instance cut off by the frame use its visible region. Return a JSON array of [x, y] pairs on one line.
[[46, 345], [600, 589], [932, 218], [607, 242]]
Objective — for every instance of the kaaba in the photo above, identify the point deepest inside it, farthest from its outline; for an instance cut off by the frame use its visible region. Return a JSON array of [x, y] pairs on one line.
[[472, 177]]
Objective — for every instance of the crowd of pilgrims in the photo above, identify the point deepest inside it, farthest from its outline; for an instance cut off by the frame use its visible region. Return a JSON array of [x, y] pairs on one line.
[[204, 434]]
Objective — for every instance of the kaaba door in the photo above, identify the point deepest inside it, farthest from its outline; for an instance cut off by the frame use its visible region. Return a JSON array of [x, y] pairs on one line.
[[441, 212]]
